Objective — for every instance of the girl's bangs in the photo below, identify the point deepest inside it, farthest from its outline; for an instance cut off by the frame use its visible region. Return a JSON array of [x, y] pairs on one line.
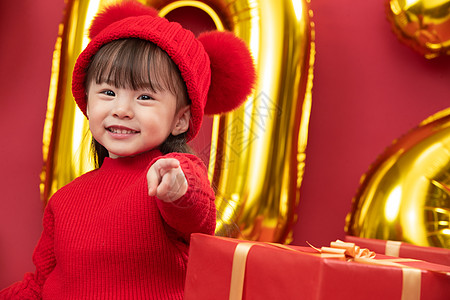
[[136, 64]]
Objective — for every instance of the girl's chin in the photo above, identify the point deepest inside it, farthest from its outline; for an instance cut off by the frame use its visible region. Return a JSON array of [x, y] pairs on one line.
[[119, 154], [113, 155]]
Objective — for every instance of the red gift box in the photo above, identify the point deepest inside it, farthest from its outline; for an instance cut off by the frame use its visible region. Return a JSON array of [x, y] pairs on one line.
[[270, 272], [402, 249]]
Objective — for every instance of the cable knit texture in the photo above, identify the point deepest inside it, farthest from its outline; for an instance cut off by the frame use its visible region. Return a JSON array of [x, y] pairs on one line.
[[105, 238]]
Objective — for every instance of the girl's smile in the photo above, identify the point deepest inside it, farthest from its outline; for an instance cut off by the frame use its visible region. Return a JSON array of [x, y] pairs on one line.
[[121, 132]]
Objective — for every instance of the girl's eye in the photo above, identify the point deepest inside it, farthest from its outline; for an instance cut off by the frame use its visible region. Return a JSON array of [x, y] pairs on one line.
[[145, 97], [109, 93]]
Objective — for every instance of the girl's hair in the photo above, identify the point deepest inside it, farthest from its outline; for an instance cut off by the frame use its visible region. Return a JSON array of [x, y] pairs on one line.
[[138, 64]]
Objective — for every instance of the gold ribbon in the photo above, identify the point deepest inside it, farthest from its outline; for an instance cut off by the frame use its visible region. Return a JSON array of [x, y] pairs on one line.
[[392, 248], [238, 270], [411, 277], [411, 283]]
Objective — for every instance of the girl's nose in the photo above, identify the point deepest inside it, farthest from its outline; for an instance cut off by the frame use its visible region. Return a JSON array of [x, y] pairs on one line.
[[123, 108]]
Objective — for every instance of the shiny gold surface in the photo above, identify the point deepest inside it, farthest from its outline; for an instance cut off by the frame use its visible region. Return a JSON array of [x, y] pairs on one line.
[[423, 25], [66, 138], [258, 154], [258, 151], [405, 195]]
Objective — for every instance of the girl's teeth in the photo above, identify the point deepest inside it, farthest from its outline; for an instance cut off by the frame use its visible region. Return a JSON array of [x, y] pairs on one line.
[[121, 131]]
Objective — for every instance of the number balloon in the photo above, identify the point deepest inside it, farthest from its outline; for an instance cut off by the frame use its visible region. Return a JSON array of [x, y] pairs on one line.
[[421, 24], [405, 195]]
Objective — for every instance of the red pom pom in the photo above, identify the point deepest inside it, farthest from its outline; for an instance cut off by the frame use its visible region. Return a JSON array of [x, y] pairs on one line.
[[232, 71], [117, 12]]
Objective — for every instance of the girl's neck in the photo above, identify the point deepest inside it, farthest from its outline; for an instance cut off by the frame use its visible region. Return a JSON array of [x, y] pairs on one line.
[[138, 161]]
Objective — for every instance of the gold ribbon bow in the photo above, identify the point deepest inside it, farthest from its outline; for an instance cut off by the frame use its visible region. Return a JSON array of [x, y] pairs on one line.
[[344, 250]]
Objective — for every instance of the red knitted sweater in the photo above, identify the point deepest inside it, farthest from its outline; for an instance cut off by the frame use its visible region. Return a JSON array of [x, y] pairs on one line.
[[105, 238]]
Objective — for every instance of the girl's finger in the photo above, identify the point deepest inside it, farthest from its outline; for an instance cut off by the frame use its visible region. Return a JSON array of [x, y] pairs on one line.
[[167, 164], [153, 179]]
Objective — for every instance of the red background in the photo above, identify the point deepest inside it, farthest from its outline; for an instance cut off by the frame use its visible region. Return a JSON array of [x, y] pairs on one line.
[[369, 89]]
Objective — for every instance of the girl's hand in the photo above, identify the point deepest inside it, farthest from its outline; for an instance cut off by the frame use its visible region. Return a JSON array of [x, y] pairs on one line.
[[166, 180]]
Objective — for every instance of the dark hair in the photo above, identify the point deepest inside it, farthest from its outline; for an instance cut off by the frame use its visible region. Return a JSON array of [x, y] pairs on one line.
[[134, 63]]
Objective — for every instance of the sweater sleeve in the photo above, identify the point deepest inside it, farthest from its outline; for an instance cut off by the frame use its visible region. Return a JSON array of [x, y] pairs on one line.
[[44, 260], [195, 211]]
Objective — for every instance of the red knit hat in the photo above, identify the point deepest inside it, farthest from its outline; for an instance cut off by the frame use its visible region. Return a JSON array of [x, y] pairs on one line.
[[216, 67]]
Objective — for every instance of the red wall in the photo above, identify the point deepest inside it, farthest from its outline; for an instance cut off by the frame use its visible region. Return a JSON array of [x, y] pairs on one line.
[[368, 90], [28, 31]]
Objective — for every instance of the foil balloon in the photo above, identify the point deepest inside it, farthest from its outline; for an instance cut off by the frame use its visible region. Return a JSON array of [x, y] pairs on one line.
[[256, 153], [66, 139], [405, 195], [424, 25]]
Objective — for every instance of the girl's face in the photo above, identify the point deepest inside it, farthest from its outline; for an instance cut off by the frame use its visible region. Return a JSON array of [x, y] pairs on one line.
[[128, 122]]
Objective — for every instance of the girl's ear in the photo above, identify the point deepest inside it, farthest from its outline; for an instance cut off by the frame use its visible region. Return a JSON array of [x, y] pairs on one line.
[[182, 118]]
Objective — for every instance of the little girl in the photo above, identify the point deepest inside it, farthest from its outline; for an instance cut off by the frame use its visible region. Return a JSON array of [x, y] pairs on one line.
[[122, 231]]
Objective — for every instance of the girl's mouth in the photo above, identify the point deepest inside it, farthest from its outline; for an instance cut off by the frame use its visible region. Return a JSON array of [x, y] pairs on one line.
[[121, 131]]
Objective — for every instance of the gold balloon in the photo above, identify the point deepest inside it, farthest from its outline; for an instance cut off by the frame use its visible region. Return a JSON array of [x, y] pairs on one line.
[[66, 137], [257, 152], [423, 25], [405, 195]]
